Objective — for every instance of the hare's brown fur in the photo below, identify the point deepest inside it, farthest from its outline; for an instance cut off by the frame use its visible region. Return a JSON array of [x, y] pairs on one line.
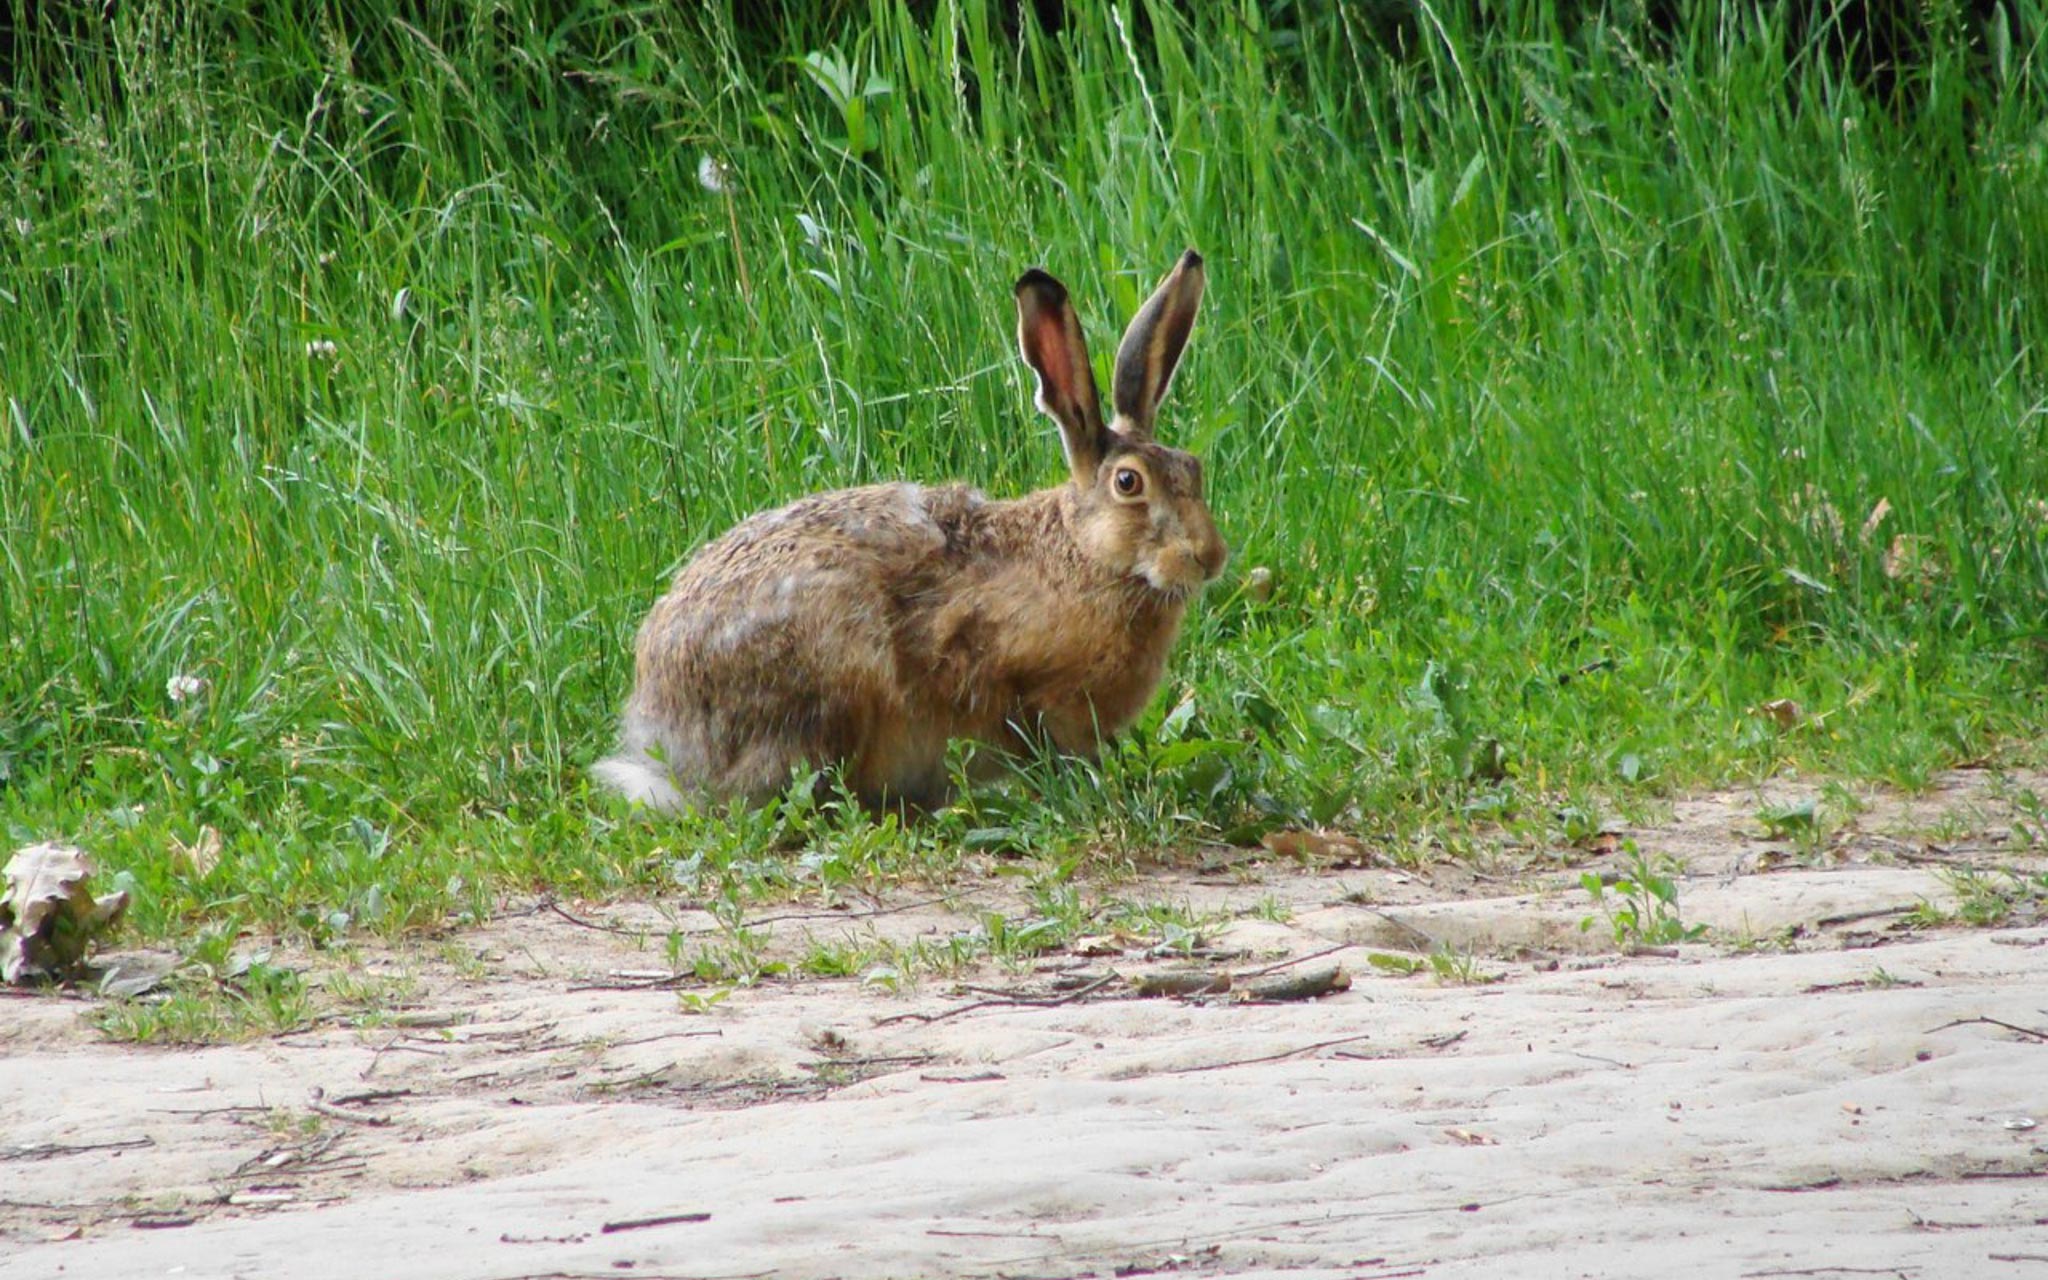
[[868, 627]]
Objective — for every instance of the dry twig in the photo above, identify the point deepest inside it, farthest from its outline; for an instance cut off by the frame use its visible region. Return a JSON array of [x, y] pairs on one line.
[[665, 1220], [1271, 1057], [2029, 1032], [1050, 1002]]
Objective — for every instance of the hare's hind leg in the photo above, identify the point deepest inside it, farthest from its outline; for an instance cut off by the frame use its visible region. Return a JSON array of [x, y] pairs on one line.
[[813, 720], [904, 766], [748, 753]]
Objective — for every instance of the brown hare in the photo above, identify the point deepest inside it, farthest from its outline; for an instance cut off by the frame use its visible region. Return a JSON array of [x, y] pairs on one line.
[[868, 627]]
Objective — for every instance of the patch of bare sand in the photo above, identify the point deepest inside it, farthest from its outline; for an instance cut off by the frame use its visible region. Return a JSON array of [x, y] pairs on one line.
[[1828, 1086]]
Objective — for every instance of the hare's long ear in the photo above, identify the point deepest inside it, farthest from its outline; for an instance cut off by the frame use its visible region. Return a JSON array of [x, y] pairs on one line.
[[1151, 348], [1049, 334]]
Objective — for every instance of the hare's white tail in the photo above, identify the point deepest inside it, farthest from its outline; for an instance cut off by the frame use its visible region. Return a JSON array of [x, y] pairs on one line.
[[641, 780]]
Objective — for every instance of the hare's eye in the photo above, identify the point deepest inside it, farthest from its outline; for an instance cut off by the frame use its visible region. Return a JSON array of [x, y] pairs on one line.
[[1129, 483]]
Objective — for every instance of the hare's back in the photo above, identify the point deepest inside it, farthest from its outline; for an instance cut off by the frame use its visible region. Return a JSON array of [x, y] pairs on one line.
[[833, 569], [852, 539]]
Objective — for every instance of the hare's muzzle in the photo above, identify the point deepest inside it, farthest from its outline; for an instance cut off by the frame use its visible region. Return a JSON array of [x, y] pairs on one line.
[[1190, 556]]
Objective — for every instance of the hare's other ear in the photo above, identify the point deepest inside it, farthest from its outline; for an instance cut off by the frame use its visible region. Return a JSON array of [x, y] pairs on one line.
[[1049, 334], [1152, 345]]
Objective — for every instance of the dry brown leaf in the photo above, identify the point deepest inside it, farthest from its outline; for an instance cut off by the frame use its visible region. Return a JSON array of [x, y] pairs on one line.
[[1914, 558], [48, 915], [1783, 712], [1772, 859], [1876, 518], [1811, 511], [203, 854], [1099, 944], [1306, 844]]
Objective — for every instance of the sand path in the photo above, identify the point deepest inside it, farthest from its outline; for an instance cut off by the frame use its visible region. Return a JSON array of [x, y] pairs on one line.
[[1830, 1087]]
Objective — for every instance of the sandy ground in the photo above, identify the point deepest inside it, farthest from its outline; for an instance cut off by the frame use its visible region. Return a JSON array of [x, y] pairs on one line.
[[1829, 1086]]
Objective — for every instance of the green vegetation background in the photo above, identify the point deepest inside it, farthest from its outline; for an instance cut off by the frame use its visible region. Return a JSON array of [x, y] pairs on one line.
[[1584, 384]]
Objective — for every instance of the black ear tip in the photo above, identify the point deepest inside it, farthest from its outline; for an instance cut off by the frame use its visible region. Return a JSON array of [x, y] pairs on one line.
[[1038, 279], [1190, 260]]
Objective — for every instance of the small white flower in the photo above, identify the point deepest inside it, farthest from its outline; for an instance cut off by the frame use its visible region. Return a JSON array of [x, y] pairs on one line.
[[322, 349], [713, 174], [184, 688]]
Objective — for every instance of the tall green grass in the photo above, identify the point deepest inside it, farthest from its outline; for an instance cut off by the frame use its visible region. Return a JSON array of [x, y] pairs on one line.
[[375, 363]]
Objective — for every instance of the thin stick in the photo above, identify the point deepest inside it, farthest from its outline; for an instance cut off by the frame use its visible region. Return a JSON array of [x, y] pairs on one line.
[[1399, 923], [666, 1035], [636, 984], [665, 1220], [579, 921], [319, 1104], [1833, 1270], [867, 914], [1016, 997], [884, 1060], [390, 1046], [1855, 917], [1313, 955], [369, 1095], [1054, 1002], [2018, 1030], [1271, 1057], [44, 1150]]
